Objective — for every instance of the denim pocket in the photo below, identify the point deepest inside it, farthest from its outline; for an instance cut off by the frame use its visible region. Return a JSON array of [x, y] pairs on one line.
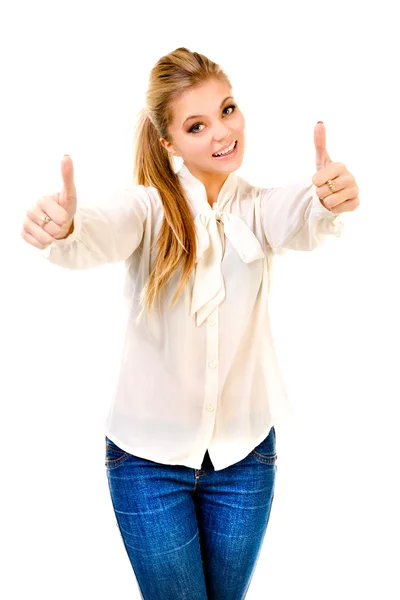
[[265, 452], [114, 454]]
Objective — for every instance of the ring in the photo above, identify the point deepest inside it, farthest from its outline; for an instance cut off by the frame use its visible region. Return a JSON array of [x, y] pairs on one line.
[[45, 220], [332, 185]]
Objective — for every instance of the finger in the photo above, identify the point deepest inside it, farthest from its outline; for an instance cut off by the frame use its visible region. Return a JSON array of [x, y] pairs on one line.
[[31, 230], [49, 206], [347, 206], [340, 182], [68, 187], [322, 158], [32, 240], [338, 197], [332, 170], [37, 217]]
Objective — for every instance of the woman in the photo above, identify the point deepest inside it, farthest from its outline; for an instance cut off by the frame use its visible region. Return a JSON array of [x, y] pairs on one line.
[[190, 436]]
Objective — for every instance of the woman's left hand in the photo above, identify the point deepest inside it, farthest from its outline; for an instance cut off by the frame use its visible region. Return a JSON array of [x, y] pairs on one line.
[[345, 198]]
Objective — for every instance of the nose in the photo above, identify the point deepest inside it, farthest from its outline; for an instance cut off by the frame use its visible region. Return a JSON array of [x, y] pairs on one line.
[[221, 133]]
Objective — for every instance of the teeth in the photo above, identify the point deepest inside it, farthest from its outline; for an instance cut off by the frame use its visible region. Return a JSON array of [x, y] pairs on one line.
[[227, 150]]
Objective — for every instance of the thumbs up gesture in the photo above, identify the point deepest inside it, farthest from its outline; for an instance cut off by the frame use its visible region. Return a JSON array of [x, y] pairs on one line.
[[52, 217], [336, 187]]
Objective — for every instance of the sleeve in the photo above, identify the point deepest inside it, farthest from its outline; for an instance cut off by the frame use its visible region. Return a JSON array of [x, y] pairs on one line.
[[103, 234], [293, 218]]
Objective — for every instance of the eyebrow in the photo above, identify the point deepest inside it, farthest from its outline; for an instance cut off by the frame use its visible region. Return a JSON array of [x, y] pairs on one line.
[[198, 116]]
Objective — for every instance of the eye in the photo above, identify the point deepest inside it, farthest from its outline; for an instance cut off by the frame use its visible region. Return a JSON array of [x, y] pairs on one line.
[[192, 129]]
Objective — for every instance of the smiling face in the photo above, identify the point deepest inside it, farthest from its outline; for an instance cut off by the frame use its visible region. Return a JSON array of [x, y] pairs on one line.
[[217, 123]]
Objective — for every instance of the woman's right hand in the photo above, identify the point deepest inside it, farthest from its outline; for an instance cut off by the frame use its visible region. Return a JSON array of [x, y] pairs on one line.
[[60, 207]]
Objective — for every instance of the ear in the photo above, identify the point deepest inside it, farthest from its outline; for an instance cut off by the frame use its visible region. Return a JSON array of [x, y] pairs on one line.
[[168, 146]]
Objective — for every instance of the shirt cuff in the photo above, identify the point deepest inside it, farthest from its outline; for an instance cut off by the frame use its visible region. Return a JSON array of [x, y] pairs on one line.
[[334, 223]]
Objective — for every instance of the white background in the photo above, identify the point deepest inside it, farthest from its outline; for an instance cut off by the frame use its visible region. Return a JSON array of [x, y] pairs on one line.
[[74, 76]]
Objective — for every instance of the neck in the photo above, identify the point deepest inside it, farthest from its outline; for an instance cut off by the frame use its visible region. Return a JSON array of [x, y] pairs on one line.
[[213, 183]]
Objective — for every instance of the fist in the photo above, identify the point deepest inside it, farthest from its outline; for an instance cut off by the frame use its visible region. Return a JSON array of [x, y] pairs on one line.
[[51, 217]]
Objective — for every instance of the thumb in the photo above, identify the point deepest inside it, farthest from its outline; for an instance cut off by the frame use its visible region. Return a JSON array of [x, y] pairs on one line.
[[322, 158], [67, 195]]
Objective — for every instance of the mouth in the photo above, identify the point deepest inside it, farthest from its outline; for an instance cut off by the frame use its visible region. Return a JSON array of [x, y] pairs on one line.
[[230, 151]]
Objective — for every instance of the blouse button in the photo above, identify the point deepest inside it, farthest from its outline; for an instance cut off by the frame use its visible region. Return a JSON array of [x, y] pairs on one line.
[[210, 407], [211, 322], [212, 364]]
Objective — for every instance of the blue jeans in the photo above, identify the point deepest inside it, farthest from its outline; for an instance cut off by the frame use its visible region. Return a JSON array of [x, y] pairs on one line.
[[192, 534]]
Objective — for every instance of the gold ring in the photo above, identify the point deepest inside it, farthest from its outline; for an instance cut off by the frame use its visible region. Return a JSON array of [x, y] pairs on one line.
[[332, 185]]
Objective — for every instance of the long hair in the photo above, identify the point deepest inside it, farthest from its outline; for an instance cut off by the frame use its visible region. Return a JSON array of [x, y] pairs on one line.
[[172, 75]]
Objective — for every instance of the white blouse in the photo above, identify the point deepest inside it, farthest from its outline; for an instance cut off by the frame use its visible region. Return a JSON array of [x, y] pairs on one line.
[[205, 374]]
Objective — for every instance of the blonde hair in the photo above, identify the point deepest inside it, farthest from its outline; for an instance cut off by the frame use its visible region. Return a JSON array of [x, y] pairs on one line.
[[172, 75]]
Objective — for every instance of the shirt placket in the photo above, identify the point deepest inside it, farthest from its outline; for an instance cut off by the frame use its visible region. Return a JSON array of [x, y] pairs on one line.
[[211, 396], [213, 346]]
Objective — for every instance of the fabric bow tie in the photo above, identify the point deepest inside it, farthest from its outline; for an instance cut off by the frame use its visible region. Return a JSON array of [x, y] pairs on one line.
[[209, 288]]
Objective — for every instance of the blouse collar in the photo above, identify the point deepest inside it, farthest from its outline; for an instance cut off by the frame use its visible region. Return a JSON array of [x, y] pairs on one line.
[[208, 287], [197, 194]]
